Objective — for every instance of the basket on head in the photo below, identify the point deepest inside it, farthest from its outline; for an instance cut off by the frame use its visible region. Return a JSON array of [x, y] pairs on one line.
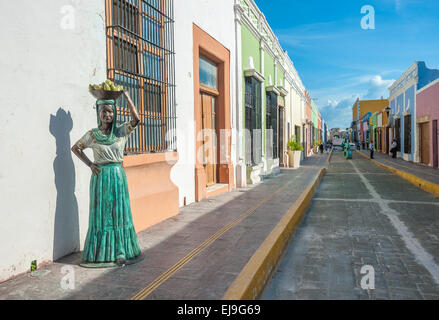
[[106, 95]]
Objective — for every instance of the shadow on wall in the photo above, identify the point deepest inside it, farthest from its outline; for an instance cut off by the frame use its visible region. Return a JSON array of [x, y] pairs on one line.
[[66, 229]]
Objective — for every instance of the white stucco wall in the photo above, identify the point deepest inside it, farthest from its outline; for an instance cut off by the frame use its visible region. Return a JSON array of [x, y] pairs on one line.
[[295, 109], [45, 75], [288, 114], [217, 19]]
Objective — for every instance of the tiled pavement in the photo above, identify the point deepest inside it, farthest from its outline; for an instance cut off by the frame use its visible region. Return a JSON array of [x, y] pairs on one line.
[[362, 215], [170, 263]]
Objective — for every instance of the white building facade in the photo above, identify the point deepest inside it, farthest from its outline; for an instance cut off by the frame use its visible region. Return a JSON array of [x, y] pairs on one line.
[[48, 62]]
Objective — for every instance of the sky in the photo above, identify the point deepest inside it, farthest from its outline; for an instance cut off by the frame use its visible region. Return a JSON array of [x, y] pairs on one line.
[[338, 61]]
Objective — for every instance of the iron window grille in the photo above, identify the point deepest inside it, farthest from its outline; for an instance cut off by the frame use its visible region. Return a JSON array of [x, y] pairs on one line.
[[398, 134], [408, 134], [140, 57], [305, 140], [297, 133], [253, 142], [271, 121], [280, 146], [376, 138]]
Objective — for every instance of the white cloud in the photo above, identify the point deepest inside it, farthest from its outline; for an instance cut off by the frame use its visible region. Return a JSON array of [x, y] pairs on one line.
[[337, 110], [338, 113], [378, 87]]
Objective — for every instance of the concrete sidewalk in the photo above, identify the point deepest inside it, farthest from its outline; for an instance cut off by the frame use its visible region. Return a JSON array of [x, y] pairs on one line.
[[427, 178], [196, 255]]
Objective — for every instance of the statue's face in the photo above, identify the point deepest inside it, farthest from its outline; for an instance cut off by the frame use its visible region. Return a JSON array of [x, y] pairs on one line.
[[106, 114]]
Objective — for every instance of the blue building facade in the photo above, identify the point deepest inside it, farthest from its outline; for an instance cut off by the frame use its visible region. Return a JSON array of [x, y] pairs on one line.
[[403, 108]]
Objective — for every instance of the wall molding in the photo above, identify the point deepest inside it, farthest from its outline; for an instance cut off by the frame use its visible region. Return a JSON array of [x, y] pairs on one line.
[[255, 21]]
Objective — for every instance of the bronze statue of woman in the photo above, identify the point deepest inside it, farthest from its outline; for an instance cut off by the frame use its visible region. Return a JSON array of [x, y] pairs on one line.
[[111, 238]]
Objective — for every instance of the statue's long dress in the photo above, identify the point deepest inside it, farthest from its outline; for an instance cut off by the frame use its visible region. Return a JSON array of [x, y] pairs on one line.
[[111, 234]]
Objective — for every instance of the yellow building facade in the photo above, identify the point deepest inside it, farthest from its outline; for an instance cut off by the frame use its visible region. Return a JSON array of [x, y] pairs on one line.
[[362, 107]]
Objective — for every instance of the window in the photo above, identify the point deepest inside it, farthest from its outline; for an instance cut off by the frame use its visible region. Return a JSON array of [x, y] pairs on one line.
[[268, 123], [140, 57], [253, 143], [151, 66], [408, 134], [125, 56], [208, 73], [151, 21], [398, 133], [376, 138], [124, 15], [271, 124], [305, 139], [280, 135], [297, 133]]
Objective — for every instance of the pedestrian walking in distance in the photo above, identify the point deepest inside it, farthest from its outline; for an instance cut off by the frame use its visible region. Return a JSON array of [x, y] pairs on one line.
[[321, 148], [394, 148], [371, 147]]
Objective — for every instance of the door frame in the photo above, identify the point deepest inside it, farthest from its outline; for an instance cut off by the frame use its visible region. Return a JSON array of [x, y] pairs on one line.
[[212, 93], [281, 134], [421, 131], [434, 134], [206, 46]]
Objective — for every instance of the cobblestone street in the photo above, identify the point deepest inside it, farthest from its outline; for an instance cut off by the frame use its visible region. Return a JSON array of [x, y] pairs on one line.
[[362, 215]]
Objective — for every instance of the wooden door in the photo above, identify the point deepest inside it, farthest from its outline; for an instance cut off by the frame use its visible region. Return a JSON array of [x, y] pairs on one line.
[[425, 143], [387, 140], [397, 134], [382, 137], [209, 138], [378, 139], [435, 144]]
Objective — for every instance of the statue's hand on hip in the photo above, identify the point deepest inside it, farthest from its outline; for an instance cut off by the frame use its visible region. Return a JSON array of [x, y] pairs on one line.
[[95, 169]]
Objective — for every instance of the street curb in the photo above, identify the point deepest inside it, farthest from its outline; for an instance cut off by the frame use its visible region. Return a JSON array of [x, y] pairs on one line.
[[329, 158], [252, 280], [419, 182]]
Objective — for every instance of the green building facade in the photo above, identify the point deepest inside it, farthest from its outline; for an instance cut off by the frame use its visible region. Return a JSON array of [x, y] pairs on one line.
[[262, 80]]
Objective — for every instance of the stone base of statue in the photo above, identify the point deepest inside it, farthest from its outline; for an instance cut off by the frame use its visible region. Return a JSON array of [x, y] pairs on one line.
[[102, 265]]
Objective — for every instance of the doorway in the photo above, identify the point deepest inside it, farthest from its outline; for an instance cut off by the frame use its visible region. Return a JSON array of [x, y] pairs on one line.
[[209, 137], [425, 142], [214, 170], [397, 133], [281, 136], [387, 140], [435, 144]]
